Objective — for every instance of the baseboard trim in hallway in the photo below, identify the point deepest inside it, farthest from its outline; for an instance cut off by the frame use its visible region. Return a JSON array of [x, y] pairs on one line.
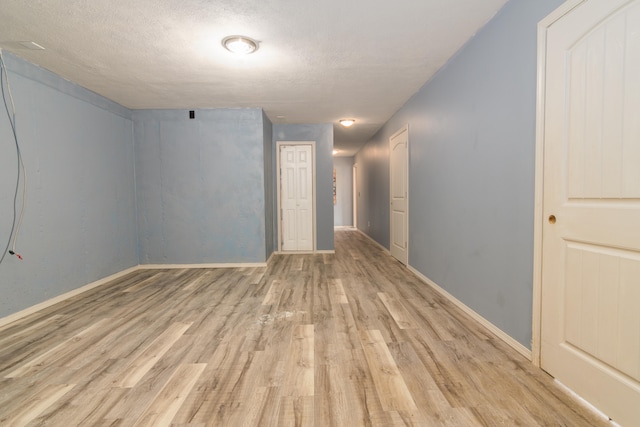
[[373, 241], [319, 252], [48, 303], [465, 308], [204, 265], [475, 316], [60, 298]]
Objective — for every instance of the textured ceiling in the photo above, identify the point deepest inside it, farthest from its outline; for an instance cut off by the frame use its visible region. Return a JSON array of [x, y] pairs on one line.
[[318, 61]]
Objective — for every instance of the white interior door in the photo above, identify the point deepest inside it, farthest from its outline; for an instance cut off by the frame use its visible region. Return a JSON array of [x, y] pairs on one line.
[[590, 325], [355, 196], [398, 172], [296, 197]]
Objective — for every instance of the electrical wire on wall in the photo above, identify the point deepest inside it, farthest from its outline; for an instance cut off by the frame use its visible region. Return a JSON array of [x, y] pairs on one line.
[[16, 223]]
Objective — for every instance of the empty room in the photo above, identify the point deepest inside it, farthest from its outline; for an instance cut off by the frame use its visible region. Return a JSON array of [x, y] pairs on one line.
[[334, 213]]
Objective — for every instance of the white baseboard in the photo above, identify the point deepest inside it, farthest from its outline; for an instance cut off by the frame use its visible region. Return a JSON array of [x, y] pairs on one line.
[[330, 251], [373, 240], [48, 303], [213, 265], [344, 227], [475, 316], [586, 404], [270, 257]]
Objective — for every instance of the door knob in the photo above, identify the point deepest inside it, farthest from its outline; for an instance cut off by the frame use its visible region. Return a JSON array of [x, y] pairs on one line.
[[552, 219]]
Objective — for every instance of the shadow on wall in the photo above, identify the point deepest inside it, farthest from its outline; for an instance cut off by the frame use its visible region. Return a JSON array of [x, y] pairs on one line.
[[343, 207]]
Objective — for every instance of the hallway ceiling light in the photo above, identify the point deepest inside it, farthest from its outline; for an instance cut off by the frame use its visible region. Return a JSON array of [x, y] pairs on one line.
[[241, 45], [335, 152], [347, 122], [31, 45]]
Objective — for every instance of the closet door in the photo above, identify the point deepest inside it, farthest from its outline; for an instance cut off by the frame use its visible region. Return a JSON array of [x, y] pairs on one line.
[[296, 197], [590, 329]]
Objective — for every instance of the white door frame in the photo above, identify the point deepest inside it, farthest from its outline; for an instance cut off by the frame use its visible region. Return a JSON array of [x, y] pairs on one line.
[[355, 195], [279, 201], [543, 27], [404, 128]]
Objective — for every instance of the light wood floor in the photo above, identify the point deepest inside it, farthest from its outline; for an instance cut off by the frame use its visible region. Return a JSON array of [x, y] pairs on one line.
[[351, 339]]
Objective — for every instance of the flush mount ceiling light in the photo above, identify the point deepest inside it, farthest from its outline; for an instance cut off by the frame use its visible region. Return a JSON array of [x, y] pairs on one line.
[[241, 45], [335, 152], [31, 45], [347, 122]]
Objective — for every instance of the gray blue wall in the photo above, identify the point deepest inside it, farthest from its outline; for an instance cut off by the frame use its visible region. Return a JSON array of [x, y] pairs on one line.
[[79, 224], [343, 209], [373, 184], [471, 190], [269, 186], [200, 186], [322, 134]]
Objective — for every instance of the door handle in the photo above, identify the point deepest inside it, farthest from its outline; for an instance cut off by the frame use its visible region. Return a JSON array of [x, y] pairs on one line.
[[552, 219]]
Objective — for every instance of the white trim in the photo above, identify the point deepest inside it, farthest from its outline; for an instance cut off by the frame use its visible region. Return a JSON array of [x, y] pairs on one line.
[[55, 300], [374, 241], [558, 13], [344, 227], [329, 251], [475, 316], [543, 27], [48, 303], [204, 265], [355, 195], [465, 308], [278, 201], [270, 257], [585, 403]]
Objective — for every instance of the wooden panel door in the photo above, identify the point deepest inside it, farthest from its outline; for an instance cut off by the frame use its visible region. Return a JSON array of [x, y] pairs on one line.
[[590, 329], [399, 193], [296, 197]]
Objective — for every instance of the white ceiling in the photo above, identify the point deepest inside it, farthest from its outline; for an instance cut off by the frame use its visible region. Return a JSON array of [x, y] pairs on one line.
[[318, 61]]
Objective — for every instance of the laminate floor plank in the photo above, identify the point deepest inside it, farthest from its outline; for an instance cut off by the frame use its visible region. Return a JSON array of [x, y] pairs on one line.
[[166, 404], [275, 293], [40, 401], [35, 328], [337, 294], [390, 385], [403, 319], [301, 363], [143, 362], [346, 395], [66, 349], [86, 408], [141, 284], [262, 409], [345, 339], [296, 412]]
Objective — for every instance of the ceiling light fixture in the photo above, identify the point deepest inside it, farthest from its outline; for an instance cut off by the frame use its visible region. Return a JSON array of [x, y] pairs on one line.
[[241, 45], [335, 152], [347, 122], [31, 45]]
